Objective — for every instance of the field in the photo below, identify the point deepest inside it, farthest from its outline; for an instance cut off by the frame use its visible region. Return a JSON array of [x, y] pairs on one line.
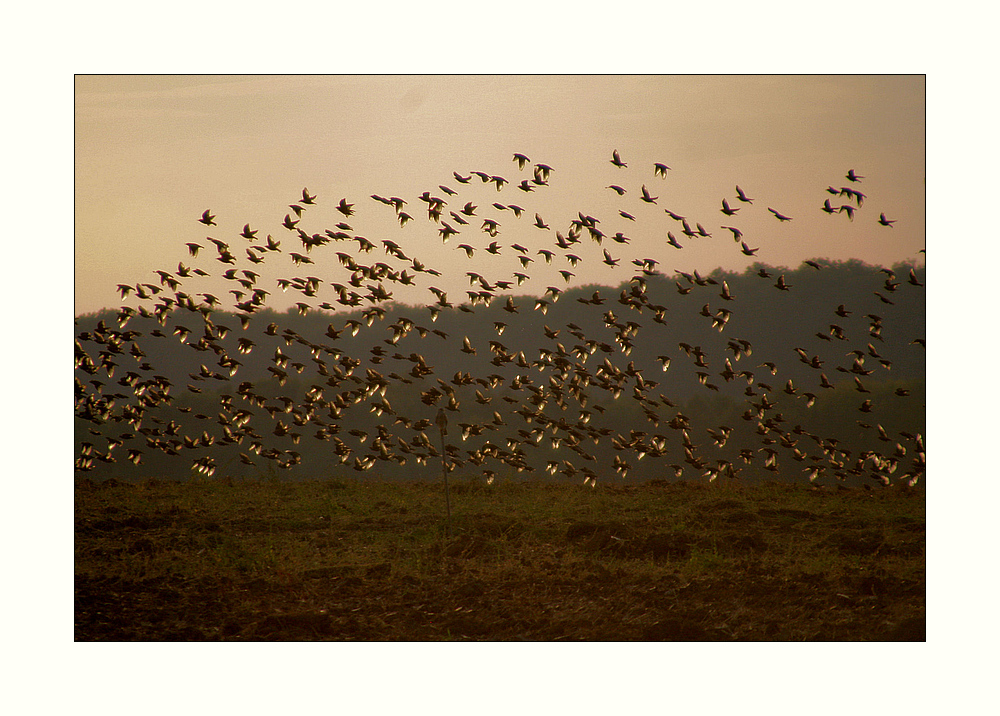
[[372, 560]]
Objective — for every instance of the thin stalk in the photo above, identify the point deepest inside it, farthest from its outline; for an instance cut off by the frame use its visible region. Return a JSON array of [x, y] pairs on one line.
[[442, 421]]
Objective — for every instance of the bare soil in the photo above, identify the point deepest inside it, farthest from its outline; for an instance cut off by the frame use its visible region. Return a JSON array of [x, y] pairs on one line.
[[335, 561]]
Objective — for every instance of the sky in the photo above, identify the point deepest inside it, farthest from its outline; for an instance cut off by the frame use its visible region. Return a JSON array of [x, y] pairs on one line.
[[153, 152]]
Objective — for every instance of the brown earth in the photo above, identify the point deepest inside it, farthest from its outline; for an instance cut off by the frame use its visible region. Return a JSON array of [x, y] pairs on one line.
[[335, 561]]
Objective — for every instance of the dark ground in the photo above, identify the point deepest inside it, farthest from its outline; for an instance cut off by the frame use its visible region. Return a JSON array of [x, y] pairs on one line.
[[371, 561]]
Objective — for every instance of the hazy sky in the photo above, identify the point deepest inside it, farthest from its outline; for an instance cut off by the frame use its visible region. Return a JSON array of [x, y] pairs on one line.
[[153, 152]]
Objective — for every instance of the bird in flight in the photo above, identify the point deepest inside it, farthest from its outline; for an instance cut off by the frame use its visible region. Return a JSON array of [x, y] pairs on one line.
[[207, 218], [854, 177], [742, 196], [726, 208], [542, 171], [521, 161], [446, 231], [617, 160], [884, 221], [660, 170], [344, 208], [852, 194], [781, 217], [737, 234]]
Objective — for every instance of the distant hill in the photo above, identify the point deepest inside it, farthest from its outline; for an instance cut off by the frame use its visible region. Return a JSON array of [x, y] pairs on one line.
[[573, 387]]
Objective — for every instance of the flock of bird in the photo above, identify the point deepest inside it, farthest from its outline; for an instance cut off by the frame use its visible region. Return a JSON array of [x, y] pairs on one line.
[[547, 396]]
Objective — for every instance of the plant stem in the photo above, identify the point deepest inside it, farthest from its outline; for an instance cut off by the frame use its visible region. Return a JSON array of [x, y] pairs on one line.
[[442, 421]]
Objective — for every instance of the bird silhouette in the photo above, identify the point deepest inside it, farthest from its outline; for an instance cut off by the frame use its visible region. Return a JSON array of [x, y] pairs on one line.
[[737, 234], [542, 171]]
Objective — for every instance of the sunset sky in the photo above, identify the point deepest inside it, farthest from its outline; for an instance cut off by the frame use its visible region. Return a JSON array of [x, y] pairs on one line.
[[153, 152]]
